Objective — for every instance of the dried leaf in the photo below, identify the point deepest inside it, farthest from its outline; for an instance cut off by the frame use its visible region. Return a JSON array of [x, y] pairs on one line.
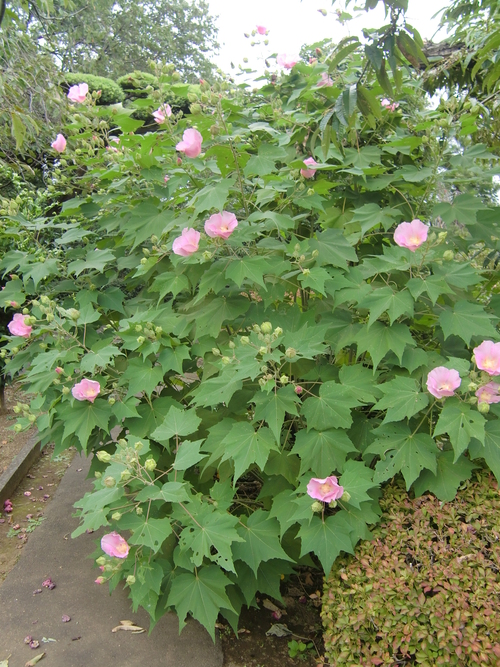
[[278, 630], [4, 663], [33, 661], [129, 625]]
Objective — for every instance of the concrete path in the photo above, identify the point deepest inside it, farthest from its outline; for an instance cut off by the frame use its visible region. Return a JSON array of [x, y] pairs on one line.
[[86, 640]]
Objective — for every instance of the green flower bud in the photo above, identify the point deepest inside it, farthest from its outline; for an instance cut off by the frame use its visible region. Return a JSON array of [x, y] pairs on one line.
[[49, 317], [158, 331], [472, 386], [26, 311], [346, 496], [448, 255], [278, 331], [284, 379], [262, 350], [111, 400], [56, 381], [18, 428], [244, 340], [138, 446], [141, 340], [103, 456], [116, 516], [483, 408], [226, 361], [216, 352], [138, 511], [45, 300], [332, 504], [473, 375], [73, 313], [207, 255], [231, 345], [150, 465], [17, 409], [256, 328], [138, 328], [195, 109], [101, 560], [145, 252], [262, 382], [472, 400], [442, 236], [317, 506], [154, 239], [266, 327], [306, 272], [310, 192], [122, 442], [125, 475], [144, 261], [314, 254], [98, 474], [176, 76], [109, 482], [130, 579], [66, 390], [290, 353]]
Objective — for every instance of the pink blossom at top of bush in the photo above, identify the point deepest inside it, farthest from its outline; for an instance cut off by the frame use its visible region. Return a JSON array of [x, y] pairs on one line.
[[327, 489], [309, 173], [287, 61], [443, 381], [221, 225], [191, 143], [162, 113], [113, 544], [59, 144], [78, 93], [489, 393], [86, 390], [262, 30], [487, 357], [187, 243], [325, 80], [18, 327], [411, 235]]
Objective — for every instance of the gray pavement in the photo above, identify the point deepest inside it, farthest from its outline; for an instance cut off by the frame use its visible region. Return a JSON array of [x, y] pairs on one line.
[[87, 640]]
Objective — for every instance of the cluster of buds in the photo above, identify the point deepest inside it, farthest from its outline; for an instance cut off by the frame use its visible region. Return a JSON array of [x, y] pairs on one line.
[[148, 332]]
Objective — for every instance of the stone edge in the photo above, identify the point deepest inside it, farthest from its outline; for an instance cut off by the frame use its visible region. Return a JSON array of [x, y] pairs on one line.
[[22, 462]]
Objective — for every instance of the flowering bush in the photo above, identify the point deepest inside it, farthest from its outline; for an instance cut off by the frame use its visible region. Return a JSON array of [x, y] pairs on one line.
[[238, 340]]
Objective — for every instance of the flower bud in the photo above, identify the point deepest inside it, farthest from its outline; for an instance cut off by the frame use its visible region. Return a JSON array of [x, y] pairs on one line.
[[226, 361], [116, 516], [256, 328], [346, 496], [101, 560], [125, 475], [262, 382], [17, 409], [442, 236], [73, 313], [483, 408], [111, 400], [138, 446], [448, 255], [150, 465], [284, 379], [472, 400], [98, 474], [317, 506], [262, 350], [109, 482], [278, 331], [130, 579], [332, 504], [138, 511], [206, 255], [18, 428], [266, 327], [298, 389], [306, 272], [473, 375], [144, 261], [244, 340], [154, 239], [472, 386], [100, 580], [138, 328], [45, 300], [122, 442], [231, 345], [49, 317], [103, 456], [314, 254], [290, 353], [56, 381], [66, 390], [141, 340]]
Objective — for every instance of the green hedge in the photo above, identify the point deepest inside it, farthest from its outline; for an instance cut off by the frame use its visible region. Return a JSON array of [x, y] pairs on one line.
[[111, 93], [425, 590], [135, 83]]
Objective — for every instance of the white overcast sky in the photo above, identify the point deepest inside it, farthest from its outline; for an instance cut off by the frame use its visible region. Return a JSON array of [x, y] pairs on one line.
[[292, 23]]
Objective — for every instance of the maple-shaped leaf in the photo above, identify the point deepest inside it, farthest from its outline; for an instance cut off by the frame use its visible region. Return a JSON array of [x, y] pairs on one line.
[[141, 377], [490, 451], [380, 339], [273, 406], [218, 389], [260, 533], [201, 594], [248, 270], [433, 285], [177, 422], [322, 452], [82, 417], [462, 423], [361, 382], [315, 279], [245, 447], [169, 283], [99, 358], [466, 320], [331, 409], [402, 451], [402, 399], [210, 535], [357, 479], [170, 359], [384, 299], [450, 473], [326, 539], [151, 533], [333, 248]]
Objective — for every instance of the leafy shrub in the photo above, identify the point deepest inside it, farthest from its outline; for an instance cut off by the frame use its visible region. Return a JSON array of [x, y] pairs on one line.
[[135, 83], [425, 591], [111, 93], [232, 369]]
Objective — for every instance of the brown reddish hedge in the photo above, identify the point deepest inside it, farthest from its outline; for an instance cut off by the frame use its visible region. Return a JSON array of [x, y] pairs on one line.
[[426, 590]]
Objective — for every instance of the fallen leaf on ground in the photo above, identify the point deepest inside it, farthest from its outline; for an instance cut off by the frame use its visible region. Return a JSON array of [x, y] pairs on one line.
[[66, 618], [33, 661], [278, 630], [46, 640], [129, 625], [4, 663]]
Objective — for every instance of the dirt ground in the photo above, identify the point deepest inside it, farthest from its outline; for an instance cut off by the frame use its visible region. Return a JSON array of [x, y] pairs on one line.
[[11, 443]]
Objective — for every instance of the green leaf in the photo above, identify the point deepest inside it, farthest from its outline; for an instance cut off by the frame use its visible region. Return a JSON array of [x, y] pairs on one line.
[[490, 451], [333, 248], [315, 279], [402, 451], [363, 157], [380, 339], [360, 382], [248, 269], [95, 259], [433, 285], [218, 390], [152, 533], [171, 359], [386, 300], [188, 454], [326, 539], [246, 447], [261, 543], [202, 595], [369, 216], [331, 409], [17, 129], [322, 452], [169, 283], [40, 270], [402, 399], [177, 423], [211, 537], [213, 196], [466, 320], [99, 358], [462, 423], [259, 165], [170, 492], [272, 408], [141, 377], [82, 417], [463, 209], [450, 473], [357, 479]]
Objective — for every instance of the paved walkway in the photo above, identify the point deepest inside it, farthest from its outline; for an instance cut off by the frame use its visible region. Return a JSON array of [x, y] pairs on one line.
[[86, 640]]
